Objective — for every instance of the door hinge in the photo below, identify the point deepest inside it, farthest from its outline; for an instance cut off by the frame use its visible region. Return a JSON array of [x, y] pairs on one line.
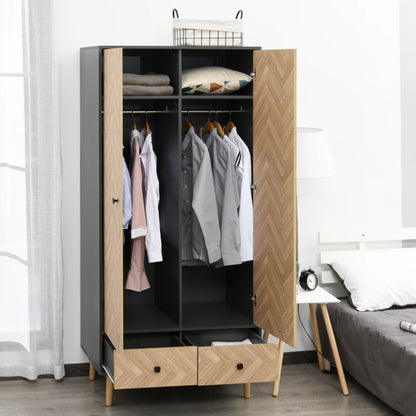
[[254, 299], [254, 74], [254, 187]]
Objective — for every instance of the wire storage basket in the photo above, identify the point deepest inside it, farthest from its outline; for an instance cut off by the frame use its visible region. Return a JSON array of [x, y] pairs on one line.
[[187, 32]]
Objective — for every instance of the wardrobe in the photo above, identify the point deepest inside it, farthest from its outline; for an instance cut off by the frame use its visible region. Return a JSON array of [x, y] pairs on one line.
[[162, 336]]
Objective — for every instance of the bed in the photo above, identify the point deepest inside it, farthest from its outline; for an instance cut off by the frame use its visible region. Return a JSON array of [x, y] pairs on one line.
[[373, 349]]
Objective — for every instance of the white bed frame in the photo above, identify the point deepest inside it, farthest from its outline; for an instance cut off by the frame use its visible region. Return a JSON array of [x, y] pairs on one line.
[[360, 239]]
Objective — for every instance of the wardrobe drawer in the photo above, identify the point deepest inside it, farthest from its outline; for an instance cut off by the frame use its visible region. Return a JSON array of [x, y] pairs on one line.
[[155, 367], [237, 364]]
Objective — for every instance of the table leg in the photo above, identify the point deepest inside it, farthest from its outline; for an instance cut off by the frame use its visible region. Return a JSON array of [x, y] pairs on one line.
[[316, 336], [276, 384], [334, 348], [265, 336]]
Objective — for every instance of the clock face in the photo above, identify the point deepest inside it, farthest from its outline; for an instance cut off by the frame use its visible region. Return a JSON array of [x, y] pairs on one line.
[[311, 281]]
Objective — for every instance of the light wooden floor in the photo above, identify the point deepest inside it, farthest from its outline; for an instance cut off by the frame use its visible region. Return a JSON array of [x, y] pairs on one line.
[[304, 391]]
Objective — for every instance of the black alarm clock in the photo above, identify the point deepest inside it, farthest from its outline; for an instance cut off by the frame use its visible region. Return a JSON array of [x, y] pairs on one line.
[[308, 280]]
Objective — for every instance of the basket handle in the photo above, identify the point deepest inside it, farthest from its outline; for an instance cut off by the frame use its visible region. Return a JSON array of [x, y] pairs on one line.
[[175, 12], [239, 13]]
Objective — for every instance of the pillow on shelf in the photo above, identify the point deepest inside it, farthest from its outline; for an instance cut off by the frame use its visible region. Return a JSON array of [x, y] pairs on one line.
[[378, 279], [213, 80]]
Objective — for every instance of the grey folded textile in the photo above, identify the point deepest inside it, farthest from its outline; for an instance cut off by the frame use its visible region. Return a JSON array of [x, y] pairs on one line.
[[149, 79], [147, 90], [407, 326]]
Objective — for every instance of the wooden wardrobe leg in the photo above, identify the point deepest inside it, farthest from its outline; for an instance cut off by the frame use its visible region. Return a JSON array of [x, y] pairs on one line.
[[109, 388], [247, 391], [92, 372], [265, 336], [276, 384]]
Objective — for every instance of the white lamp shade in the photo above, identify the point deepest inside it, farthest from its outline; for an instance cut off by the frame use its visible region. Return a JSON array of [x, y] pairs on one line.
[[314, 158]]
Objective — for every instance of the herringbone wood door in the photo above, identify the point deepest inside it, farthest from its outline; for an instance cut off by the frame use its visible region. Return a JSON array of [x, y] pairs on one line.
[[113, 196], [274, 171]]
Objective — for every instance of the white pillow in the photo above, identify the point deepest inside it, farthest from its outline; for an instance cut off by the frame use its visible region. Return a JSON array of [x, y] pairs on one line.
[[213, 80], [379, 279]]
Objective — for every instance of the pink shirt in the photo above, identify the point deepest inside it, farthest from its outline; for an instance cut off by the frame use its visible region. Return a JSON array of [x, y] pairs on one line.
[[137, 279]]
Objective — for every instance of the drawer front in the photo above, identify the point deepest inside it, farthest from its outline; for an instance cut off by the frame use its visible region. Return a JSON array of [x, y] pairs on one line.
[[155, 367], [237, 364]]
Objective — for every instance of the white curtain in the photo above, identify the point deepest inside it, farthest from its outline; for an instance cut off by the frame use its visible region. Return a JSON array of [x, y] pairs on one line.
[[31, 272]]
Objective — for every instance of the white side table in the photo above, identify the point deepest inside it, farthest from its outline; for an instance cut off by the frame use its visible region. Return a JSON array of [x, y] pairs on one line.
[[322, 297]]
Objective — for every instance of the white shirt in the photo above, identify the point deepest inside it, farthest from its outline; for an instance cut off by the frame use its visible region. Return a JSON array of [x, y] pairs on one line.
[[245, 213], [151, 185]]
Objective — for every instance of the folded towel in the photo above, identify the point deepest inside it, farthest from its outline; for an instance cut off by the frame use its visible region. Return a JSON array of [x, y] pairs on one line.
[[407, 326], [149, 79], [221, 343], [147, 90]]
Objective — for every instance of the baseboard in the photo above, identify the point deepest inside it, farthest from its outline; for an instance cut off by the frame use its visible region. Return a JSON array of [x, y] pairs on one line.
[[75, 370], [299, 357]]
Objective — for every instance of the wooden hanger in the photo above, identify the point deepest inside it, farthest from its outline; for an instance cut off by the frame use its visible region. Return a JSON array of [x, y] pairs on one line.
[[228, 127], [186, 126], [147, 128], [208, 127], [134, 121], [220, 131]]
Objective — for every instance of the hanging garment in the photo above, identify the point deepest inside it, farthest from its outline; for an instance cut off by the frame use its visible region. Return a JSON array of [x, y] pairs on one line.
[[151, 198], [226, 192], [238, 162], [200, 224], [137, 279], [126, 196], [245, 213]]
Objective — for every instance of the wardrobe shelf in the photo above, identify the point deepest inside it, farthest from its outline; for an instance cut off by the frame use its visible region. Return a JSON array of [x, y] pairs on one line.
[[149, 97], [211, 315], [217, 97], [147, 318]]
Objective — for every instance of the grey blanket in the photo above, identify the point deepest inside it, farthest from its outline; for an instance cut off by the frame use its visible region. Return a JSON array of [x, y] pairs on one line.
[[147, 90], [148, 79], [376, 352]]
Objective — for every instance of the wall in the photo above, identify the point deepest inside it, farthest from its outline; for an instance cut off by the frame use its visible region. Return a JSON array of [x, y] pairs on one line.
[[348, 84], [408, 82]]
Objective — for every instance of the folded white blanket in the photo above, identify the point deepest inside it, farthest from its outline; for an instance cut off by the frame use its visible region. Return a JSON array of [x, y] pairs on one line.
[[221, 343], [407, 326]]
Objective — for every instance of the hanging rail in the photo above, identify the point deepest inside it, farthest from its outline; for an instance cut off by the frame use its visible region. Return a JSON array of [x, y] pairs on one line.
[[167, 111]]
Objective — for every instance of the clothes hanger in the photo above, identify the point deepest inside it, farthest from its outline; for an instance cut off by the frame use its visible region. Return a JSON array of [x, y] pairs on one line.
[[147, 128], [229, 126], [134, 121], [217, 125], [187, 125], [208, 126]]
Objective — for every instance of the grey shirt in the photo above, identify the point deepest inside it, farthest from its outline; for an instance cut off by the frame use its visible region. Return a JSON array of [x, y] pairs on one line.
[[227, 196], [200, 223]]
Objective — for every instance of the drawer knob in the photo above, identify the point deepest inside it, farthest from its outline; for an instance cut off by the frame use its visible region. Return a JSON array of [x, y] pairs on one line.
[[157, 369], [240, 366]]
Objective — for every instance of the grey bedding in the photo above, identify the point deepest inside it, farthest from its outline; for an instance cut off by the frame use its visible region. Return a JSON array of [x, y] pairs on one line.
[[376, 352]]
